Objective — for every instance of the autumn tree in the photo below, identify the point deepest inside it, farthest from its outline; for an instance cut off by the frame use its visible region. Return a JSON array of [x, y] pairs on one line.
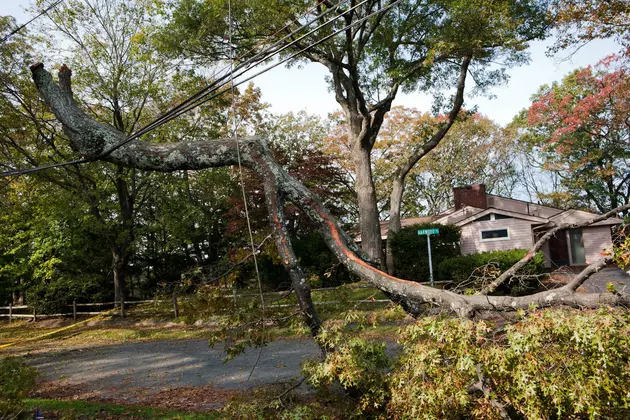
[[580, 128], [392, 46], [581, 21], [475, 150]]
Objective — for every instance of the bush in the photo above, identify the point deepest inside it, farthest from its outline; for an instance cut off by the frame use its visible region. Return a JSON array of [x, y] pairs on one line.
[[552, 364], [465, 267], [411, 259], [319, 263], [16, 380]]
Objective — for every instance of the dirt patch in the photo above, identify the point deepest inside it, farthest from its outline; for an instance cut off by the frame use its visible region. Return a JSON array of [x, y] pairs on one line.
[[204, 398], [54, 323], [191, 399]]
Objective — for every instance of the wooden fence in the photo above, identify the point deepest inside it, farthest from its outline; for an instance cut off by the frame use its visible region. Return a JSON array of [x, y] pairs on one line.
[[25, 311]]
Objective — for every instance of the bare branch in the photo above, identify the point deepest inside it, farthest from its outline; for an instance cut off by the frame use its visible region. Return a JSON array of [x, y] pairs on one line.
[[539, 244]]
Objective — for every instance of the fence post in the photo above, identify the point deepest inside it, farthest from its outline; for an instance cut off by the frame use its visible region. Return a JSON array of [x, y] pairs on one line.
[[122, 306], [175, 307], [34, 315], [10, 312], [74, 310]]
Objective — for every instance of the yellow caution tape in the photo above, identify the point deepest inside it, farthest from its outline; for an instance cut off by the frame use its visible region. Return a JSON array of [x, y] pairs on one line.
[[2, 346]]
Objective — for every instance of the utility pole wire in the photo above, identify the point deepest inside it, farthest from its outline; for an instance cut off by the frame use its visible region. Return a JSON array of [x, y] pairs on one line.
[[19, 28], [174, 112], [169, 116]]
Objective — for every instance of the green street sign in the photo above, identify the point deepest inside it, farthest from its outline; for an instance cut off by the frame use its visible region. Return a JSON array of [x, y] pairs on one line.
[[433, 231]]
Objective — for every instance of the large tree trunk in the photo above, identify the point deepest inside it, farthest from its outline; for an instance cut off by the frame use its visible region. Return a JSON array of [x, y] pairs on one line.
[[371, 242], [398, 188]]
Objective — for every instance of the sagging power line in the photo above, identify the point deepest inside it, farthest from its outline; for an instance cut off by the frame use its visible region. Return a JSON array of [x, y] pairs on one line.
[[213, 89], [19, 28]]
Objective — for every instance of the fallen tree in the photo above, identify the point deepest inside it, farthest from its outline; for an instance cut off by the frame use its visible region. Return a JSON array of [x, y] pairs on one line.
[[93, 140]]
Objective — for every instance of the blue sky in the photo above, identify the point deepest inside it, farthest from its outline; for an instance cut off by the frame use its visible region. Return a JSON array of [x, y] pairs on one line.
[[304, 88]]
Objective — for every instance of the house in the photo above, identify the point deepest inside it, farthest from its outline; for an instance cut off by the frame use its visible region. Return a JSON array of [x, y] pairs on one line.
[[491, 222]]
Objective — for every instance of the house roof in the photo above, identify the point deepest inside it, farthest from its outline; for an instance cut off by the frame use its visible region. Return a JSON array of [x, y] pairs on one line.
[[518, 209], [577, 216], [455, 216], [491, 210]]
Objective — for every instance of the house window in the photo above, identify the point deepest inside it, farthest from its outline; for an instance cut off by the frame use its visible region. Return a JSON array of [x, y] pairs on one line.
[[492, 216], [501, 216], [495, 235]]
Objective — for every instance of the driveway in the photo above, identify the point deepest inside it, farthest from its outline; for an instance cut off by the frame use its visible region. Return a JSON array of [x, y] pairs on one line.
[[129, 372], [613, 274]]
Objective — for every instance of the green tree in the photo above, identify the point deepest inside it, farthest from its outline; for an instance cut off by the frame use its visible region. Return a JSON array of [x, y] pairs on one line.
[[394, 46]]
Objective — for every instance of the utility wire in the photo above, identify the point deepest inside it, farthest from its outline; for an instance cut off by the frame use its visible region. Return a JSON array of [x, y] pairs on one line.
[[180, 111], [170, 116], [292, 56], [19, 28], [232, 115], [175, 111], [243, 68]]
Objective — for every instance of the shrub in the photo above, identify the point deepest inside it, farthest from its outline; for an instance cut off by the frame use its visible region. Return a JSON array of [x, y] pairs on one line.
[[411, 259], [462, 268], [16, 379], [552, 364]]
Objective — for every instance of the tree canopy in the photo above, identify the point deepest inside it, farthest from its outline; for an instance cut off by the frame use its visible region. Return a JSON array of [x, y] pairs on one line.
[[580, 126]]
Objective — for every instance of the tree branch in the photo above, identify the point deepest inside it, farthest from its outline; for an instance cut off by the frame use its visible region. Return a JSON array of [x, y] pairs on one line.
[[539, 244], [90, 138]]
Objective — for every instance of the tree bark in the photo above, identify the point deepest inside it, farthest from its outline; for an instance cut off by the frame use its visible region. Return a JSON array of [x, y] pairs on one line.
[[92, 139], [118, 268], [285, 249], [371, 242], [395, 204], [398, 183]]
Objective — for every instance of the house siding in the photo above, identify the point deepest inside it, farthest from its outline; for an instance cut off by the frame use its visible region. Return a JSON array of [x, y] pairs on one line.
[[520, 235], [596, 239]]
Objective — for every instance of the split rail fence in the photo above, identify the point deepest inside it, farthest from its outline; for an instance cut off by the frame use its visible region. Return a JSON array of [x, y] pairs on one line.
[[87, 309]]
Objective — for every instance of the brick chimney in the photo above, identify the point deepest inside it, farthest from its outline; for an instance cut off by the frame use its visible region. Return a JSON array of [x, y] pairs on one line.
[[470, 195]]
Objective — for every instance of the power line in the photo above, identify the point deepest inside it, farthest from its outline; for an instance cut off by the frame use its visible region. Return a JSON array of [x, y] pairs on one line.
[[212, 87], [19, 28], [241, 68], [179, 110]]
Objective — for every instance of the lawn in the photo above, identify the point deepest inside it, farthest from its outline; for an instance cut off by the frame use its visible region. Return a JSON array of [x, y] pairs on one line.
[[200, 318], [94, 410]]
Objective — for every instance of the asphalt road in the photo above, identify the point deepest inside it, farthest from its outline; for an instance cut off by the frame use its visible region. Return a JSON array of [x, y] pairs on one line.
[[116, 371]]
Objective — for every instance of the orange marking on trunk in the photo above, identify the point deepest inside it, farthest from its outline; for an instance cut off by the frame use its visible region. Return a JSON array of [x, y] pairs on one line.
[[353, 257]]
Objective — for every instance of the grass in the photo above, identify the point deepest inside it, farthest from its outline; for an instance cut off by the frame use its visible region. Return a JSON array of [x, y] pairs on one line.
[[149, 322], [94, 410]]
